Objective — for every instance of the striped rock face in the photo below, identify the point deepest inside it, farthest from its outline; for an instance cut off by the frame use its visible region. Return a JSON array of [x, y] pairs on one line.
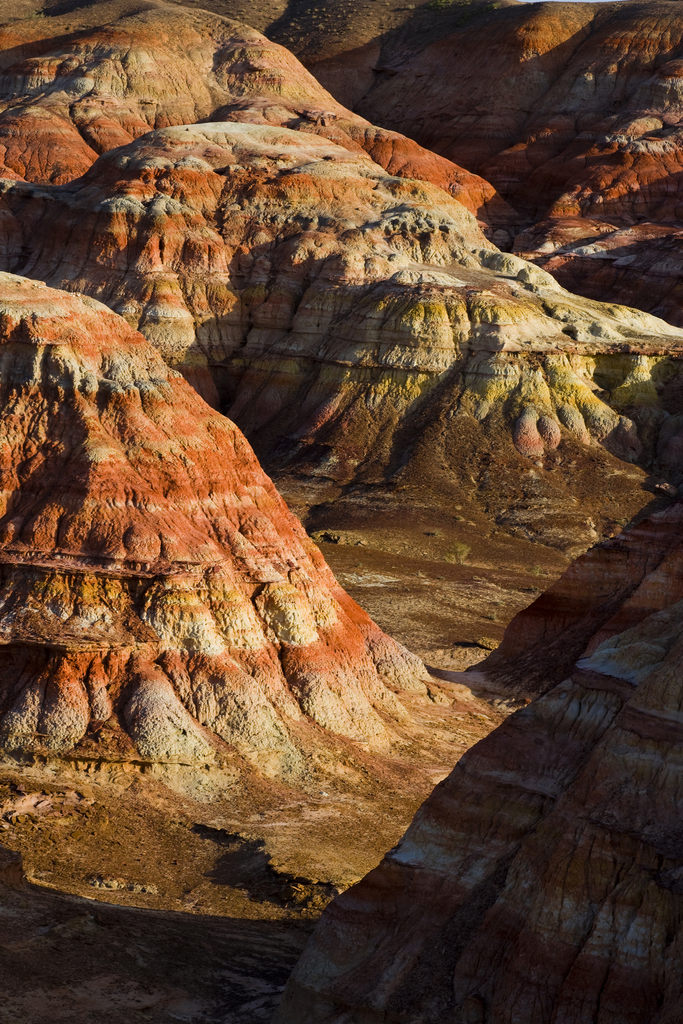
[[323, 281], [613, 587], [541, 882], [154, 587], [572, 112]]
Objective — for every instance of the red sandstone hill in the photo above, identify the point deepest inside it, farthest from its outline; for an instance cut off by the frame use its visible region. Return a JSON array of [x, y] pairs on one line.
[[541, 882], [158, 600], [356, 283]]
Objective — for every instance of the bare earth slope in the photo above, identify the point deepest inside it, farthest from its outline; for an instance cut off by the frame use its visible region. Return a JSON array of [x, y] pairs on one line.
[[541, 881], [316, 299], [134, 964], [165, 620], [168, 628]]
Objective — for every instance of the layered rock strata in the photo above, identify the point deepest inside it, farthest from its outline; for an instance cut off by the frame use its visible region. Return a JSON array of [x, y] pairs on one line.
[[589, 105], [639, 263], [68, 96], [541, 881], [356, 324], [156, 593]]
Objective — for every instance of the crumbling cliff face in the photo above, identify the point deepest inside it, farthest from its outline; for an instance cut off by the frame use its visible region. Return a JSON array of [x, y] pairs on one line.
[[212, 217], [358, 326], [354, 321], [198, 233], [539, 883], [154, 586], [637, 263]]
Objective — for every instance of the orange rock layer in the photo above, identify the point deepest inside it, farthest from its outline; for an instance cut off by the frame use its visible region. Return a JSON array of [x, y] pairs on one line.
[[573, 113], [559, 106], [333, 310], [73, 97]]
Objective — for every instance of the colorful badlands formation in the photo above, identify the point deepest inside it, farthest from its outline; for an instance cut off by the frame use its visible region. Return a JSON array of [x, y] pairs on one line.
[[572, 112], [390, 251], [358, 326], [72, 95]]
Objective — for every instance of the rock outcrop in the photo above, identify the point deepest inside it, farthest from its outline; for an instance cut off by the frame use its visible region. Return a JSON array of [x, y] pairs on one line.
[[541, 881], [611, 588], [355, 324], [639, 264], [158, 600]]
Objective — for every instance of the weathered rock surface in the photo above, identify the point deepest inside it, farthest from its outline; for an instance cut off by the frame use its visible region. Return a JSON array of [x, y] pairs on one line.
[[302, 325], [198, 233], [351, 46], [155, 588], [541, 881], [639, 264], [76, 94], [568, 108], [357, 325]]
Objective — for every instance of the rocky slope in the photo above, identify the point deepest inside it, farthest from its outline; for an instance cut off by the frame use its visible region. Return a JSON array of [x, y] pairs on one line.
[[358, 326], [349, 44], [541, 881], [638, 263], [159, 601], [611, 588], [259, 308], [70, 93], [581, 89]]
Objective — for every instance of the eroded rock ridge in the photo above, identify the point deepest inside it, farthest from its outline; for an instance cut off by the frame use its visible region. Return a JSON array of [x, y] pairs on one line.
[[335, 311]]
